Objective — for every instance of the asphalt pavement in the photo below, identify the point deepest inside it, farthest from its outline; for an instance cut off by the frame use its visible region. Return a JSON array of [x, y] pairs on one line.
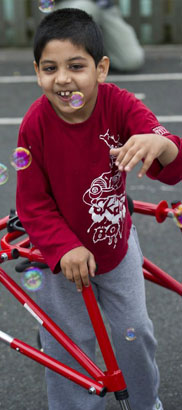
[[22, 384]]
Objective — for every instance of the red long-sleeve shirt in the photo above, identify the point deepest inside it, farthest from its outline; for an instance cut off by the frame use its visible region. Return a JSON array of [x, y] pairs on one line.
[[72, 194]]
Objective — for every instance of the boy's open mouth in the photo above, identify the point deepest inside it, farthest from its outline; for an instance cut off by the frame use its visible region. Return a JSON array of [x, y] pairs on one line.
[[74, 98], [64, 95]]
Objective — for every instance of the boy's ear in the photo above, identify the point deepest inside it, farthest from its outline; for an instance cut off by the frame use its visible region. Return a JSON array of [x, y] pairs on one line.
[[102, 69], [36, 68]]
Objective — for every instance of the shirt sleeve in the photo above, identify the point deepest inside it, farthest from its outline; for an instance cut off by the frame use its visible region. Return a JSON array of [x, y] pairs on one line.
[[139, 119], [171, 174], [37, 210]]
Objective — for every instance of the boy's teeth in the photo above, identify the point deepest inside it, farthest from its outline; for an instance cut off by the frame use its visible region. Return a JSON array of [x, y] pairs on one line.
[[65, 93]]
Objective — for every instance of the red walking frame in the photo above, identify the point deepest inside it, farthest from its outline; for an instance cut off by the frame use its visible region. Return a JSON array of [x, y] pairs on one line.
[[98, 382]]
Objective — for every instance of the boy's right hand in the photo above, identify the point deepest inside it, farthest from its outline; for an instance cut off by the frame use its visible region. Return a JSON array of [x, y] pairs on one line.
[[77, 265]]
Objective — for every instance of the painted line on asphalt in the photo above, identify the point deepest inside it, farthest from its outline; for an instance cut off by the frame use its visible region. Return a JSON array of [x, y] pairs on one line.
[[144, 77], [10, 79], [110, 78], [152, 189], [140, 96], [161, 119], [169, 118], [10, 121]]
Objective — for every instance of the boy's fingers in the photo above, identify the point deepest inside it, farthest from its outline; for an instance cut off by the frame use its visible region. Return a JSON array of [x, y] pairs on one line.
[[124, 155], [114, 151], [76, 266], [77, 279], [92, 265], [84, 272], [130, 159], [146, 165], [68, 274]]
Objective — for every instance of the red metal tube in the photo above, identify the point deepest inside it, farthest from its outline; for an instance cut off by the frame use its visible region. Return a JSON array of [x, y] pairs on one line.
[[58, 367], [3, 222], [51, 327], [145, 208], [160, 211], [115, 378], [164, 279], [22, 246], [151, 278]]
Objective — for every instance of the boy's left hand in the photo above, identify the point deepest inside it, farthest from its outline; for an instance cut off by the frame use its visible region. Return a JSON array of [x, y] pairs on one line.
[[146, 147]]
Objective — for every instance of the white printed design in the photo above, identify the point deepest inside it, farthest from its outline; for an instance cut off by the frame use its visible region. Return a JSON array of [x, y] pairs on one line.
[[106, 202], [160, 130], [110, 140]]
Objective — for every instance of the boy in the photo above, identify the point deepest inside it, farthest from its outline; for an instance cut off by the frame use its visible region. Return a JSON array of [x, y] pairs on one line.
[[72, 203]]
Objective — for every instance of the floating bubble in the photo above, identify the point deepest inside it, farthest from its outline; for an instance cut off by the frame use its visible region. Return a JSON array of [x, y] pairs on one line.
[[21, 158], [46, 6], [77, 100], [130, 334], [32, 279], [178, 216], [3, 174]]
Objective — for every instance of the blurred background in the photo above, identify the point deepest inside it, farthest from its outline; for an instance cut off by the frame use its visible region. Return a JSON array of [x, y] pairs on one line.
[[154, 21]]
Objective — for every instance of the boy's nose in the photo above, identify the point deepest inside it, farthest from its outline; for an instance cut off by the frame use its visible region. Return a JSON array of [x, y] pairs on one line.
[[62, 77]]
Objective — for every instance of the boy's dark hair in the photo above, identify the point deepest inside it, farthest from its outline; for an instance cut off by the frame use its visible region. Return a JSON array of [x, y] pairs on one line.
[[69, 24]]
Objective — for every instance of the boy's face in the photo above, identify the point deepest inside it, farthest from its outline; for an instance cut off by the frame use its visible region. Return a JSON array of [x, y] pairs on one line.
[[65, 68]]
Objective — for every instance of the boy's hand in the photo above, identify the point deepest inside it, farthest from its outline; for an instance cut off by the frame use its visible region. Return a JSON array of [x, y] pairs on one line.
[[77, 265], [146, 147]]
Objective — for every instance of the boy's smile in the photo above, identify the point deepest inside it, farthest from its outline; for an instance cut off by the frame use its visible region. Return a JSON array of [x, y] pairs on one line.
[[65, 68]]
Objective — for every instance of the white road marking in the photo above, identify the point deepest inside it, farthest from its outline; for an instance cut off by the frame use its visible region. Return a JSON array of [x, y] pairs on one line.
[[152, 189], [161, 119], [9, 79], [10, 121], [145, 77], [115, 77], [169, 118], [140, 96], [110, 78]]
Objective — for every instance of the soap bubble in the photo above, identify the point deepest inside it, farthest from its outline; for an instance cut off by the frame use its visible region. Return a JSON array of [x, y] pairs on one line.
[[21, 158], [3, 174], [46, 6], [32, 279], [130, 334], [77, 100], [178, 215]]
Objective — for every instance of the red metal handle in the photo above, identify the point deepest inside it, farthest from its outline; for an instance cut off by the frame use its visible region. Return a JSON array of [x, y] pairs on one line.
[[160, 211]]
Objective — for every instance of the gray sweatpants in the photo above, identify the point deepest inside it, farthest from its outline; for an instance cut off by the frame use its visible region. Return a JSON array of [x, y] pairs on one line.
[[121, 295]]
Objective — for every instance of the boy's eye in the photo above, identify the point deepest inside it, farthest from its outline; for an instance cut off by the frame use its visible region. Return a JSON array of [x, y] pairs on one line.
[[76, 67], [49, 69]]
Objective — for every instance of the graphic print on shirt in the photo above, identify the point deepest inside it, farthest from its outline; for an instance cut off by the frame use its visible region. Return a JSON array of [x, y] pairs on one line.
[[110, 140], [160, 130], [107, 200]]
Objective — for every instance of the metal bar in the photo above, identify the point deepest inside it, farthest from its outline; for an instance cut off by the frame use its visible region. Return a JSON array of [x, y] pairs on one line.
[[166, 279], [58, 367], [157, 21], [3, 222], [116, 380], [135, 18], [3, 39], [100, 329], [151, 278], [4, 337], [51, 327], [20, 23], [124, 404]]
